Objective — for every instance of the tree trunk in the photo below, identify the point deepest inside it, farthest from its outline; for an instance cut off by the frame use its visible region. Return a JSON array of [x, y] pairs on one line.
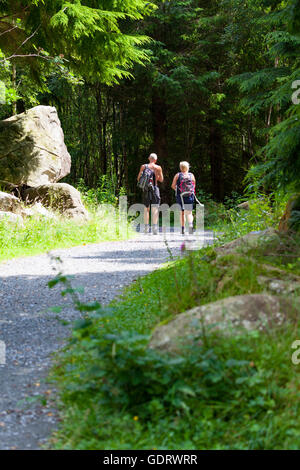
[[101, 131], [14, 84], [160, 130], [216, 162], [159, 117]]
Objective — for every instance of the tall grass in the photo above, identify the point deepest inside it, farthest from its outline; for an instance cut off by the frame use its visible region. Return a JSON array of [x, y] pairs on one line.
[[265, 211], [40, 234]]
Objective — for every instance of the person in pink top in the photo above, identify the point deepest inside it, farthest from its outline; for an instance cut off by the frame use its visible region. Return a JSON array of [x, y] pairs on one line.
[[184, 184]]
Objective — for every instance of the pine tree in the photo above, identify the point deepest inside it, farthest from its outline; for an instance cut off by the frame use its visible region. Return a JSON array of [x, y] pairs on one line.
[[86, 34], [268, 93]]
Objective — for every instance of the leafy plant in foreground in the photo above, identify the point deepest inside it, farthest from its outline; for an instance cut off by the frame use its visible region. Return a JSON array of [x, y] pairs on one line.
[[219, 392]]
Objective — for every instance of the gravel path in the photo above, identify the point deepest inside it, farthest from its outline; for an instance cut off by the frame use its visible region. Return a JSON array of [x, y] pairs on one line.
[[31, 333]]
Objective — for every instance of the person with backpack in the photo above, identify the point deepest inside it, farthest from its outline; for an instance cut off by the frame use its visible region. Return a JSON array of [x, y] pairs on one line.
[[149, 175], [184, 185]]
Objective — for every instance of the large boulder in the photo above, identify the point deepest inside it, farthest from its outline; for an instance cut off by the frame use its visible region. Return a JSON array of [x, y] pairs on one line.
[[230, 315], [32, 148], [9, 203], [60, 197], [248, 241], [280, 286], [244, 206]]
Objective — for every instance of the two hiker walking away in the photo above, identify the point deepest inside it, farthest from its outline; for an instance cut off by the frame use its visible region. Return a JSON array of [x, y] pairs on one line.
[[183, 184]]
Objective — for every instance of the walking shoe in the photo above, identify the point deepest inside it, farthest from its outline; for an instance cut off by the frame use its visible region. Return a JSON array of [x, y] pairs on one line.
[[191, 231]]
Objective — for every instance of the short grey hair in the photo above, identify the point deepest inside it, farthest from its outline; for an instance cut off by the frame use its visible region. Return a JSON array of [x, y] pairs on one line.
[[153, 156]]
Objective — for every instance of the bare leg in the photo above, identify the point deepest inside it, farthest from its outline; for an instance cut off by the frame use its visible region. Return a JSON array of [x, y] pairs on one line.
[[154, 214], [146, 219], [146, 215], [154, 217], [190, 217]]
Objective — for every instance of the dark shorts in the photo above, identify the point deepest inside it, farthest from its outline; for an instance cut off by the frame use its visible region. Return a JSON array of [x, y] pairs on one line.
[[188, 202], [151, 197]]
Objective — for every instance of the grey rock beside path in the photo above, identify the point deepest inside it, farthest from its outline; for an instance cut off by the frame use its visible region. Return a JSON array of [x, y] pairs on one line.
[[230, 316], [32, 334], [32, 148], [61, 197], [9, 203]]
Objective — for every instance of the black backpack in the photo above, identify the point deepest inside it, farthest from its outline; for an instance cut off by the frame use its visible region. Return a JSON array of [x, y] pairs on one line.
[[146, 180]]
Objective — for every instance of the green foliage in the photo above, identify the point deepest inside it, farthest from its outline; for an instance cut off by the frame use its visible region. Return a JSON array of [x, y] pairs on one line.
[[223, 395], [282, 165], [86, 34], [228, 392], [268, 91], [265, 211], [104, 193], [40, 234], [218, 79], [212, 85]]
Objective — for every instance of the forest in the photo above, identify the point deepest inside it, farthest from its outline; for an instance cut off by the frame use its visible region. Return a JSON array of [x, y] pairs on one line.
[[113, 337], [210, 82]]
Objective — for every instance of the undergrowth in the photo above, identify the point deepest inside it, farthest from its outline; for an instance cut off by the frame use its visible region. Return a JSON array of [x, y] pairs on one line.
[[41, 234], [264, 212], [230, 392]]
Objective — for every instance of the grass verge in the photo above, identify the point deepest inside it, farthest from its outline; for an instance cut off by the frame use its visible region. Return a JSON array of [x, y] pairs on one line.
[[39, 234], [238, 392]]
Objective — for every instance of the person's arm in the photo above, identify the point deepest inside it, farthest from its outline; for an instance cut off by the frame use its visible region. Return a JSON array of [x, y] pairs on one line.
[[160, 176], [174, 182], [194, 181], [141, 171]]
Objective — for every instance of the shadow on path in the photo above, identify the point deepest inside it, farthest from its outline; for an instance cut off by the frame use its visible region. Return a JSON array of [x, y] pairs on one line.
[[31, 336]]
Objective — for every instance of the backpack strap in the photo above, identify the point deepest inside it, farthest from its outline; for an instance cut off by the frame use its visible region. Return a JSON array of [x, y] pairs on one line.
[[153, 172], [178, 183], [154, 178]]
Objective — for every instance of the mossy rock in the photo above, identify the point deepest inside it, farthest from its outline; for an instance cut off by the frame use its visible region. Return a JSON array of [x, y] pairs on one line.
[[250, 241], [60, 197], [233, 315]]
